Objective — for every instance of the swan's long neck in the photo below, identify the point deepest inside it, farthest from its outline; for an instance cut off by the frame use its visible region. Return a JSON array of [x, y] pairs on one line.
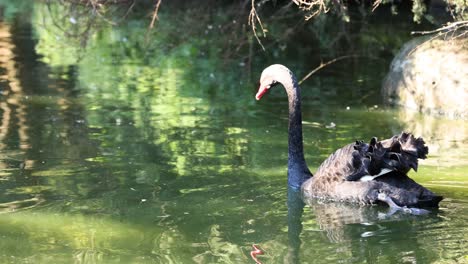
[[298, 172]]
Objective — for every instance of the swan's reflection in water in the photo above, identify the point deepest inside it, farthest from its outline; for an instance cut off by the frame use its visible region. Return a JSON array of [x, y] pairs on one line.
[[333, 218], [295, 211], [363, 232]]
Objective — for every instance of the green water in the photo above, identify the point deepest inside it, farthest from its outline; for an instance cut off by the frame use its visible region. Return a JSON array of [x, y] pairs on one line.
[[128, 151]]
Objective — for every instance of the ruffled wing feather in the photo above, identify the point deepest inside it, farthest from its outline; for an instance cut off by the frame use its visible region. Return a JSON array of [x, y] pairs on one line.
[[399, 153]]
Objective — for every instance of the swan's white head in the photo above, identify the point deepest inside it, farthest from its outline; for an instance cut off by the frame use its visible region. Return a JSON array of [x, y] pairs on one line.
[[271, 76]]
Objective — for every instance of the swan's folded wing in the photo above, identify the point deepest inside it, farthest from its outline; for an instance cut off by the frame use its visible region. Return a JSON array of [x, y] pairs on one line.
[[346, 163]]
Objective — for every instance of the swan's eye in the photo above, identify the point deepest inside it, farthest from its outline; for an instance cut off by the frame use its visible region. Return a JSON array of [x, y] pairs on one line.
[[273, 83]]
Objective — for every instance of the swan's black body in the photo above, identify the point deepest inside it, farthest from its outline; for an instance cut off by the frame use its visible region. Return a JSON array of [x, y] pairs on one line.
[[383, 164]]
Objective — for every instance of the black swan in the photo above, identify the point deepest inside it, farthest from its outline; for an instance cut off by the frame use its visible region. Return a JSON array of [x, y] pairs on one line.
[[360, 172]]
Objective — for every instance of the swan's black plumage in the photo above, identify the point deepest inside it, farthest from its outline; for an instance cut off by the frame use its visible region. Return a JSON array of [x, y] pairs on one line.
[[383, 164]]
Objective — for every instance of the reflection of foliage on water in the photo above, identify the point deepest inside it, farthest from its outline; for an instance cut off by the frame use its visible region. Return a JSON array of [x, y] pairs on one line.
[[114, 137], [447, 142], [446, 138], [69, 28], [10, 9], [151, 84]]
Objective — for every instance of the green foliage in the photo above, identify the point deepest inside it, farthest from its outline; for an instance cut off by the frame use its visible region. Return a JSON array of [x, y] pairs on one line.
[[418, 9], [459, 9], [11, 8], [315, 8]]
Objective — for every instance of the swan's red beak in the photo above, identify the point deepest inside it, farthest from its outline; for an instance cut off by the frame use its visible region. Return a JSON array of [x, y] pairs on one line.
[[261, 92]]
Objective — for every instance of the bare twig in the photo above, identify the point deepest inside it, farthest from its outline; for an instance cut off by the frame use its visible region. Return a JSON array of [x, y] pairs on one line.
[[450, 26], [253, 19], [315, 7], [322, 65], [443, 31], [376, 4], [127, 12], [155, 13], [461, 35]]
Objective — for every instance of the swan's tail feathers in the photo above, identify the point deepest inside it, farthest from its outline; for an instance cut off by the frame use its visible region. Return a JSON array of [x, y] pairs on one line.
[[399, 153], [407, 143], [402, 152]]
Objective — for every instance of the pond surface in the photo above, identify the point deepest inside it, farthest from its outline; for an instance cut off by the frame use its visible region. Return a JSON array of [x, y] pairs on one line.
[[121, 153]]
